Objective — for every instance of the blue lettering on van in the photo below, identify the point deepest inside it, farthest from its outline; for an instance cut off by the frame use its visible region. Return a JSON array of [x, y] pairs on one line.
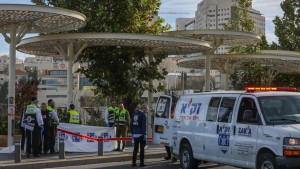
[[224, 138], [194, 108], [244, 131], [184, 106]]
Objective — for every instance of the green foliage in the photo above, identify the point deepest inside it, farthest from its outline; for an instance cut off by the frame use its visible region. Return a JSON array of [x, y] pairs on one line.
[[118, 71], [3, 92], [287, 28], [249, 74], [3, 125], [288, 33], [242, 20], [287, 80]]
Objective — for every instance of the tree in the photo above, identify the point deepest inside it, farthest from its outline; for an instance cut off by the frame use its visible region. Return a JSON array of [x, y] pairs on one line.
[[25, 90], [118, 71], [3, 92], [287, 28], [249, 74], [288, 33], [242, 20]]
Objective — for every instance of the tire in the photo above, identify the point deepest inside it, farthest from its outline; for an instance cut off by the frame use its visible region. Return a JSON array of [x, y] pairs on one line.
[[187, 160], [266, 161]]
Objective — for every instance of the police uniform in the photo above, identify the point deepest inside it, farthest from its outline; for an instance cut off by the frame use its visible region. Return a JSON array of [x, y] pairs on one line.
[[53, 122], [48, 123], [74, 117], [33, 122], [110, 116], [122, 120], [138, 130]]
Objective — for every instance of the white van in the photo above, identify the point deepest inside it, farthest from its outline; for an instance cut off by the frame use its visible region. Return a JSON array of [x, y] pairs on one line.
[[244, 129]]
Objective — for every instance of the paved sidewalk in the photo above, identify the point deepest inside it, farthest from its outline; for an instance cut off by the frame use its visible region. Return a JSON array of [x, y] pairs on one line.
[[74, 159]]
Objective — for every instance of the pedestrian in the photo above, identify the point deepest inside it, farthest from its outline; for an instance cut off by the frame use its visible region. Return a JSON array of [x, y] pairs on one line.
[[139, 134], [122, 121], [47, 124], [54, 121], [22, 127], [72, 115], [109, 114], [33, 122]]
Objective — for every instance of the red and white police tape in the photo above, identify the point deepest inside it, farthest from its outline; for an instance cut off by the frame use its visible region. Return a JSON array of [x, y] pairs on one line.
[[99, 139]]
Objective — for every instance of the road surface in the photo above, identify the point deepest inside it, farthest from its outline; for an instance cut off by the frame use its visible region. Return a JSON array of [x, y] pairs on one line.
[[150, 164]]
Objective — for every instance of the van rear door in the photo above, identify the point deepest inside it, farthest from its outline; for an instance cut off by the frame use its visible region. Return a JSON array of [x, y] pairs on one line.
[[162, 121]]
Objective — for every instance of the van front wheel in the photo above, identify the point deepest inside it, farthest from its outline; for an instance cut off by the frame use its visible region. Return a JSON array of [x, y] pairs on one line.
[[266, 161], [187, 160]]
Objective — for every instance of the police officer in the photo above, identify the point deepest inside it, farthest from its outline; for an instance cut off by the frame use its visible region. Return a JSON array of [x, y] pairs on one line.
[[109, 114], [54, 121], [72, 116], [122, 120], [47, 124], [33, 123], [138, 129]]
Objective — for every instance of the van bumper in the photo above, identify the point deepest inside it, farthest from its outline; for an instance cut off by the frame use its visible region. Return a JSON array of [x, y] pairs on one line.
[[288, 162]]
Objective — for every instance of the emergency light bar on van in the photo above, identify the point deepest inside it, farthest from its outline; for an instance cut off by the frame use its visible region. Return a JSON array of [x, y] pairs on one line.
[[271, 89]]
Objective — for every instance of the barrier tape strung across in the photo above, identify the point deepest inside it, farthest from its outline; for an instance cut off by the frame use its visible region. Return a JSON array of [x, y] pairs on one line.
[[99, 139]]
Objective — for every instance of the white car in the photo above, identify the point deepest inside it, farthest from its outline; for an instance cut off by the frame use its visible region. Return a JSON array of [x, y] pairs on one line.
[[244, 129]]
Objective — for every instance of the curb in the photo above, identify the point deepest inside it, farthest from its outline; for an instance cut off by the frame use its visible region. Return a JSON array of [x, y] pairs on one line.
[[77, 161]]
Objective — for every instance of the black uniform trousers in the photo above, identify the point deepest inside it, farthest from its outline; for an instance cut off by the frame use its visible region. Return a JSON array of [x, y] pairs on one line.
[[139, 142], [33, 140], [52, 134], [46, 139]]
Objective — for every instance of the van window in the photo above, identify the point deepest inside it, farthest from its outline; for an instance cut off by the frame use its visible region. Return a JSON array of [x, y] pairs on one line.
[[226, 109], [248, 112], [163, 107], [280, 110], [213, 107]]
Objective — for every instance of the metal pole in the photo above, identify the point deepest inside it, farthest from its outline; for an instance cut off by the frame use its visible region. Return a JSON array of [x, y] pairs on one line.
[[70, 74], [150, 99], [18, 151], [100, 147], [226, 85], [11, 86], [61, 148], [207, 73]]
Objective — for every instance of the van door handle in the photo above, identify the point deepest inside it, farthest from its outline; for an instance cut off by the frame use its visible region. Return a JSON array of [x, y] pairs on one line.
[[217, 129], [177, 120], [234, 128]]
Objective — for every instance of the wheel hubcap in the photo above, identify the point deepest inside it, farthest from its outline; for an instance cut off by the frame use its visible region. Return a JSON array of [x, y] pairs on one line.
[[267, 165], [185, 159]]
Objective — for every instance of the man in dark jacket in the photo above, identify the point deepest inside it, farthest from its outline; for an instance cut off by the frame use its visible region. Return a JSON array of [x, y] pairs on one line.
[[47, 124], [139, 134]]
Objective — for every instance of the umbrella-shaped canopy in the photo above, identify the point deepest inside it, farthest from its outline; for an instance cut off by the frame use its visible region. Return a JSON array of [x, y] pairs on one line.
[[217, 38], [17, 20], [71, 45], [46, 45], [39, 19]]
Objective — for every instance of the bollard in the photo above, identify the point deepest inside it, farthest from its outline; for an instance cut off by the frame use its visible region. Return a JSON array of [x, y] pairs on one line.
[[61, 148], [17, 151], [100, 147]]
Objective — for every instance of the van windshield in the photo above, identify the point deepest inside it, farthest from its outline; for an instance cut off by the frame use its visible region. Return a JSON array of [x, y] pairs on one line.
[[279, 110]]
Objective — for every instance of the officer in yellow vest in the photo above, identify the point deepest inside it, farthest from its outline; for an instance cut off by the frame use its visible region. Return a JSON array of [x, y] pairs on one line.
[[54, 121], [33, 122], [109, 115], [122, 122], [72, 116]]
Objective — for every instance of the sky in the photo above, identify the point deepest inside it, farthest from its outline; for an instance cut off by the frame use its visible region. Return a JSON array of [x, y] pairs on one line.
[[172, 9]]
